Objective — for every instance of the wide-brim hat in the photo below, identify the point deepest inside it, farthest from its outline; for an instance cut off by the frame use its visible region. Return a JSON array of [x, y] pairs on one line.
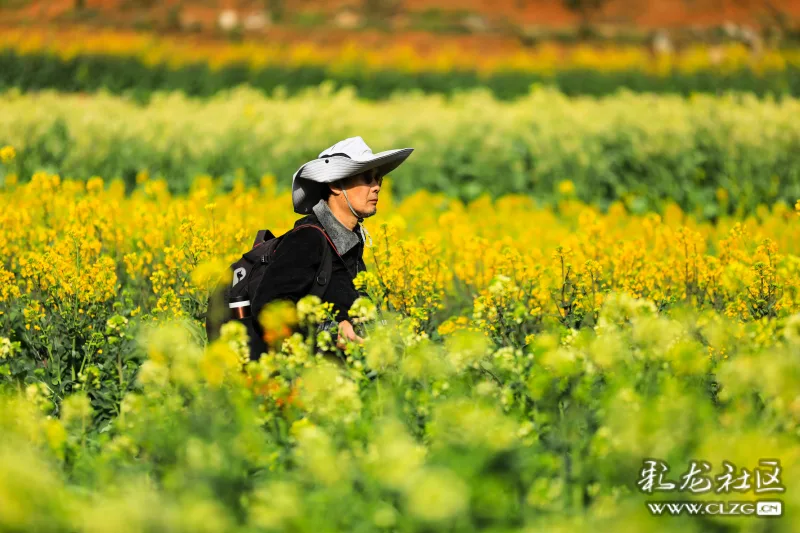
[[346, 158]]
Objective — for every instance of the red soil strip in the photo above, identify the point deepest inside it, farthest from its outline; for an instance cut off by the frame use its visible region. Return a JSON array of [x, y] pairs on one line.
[[645, 14]]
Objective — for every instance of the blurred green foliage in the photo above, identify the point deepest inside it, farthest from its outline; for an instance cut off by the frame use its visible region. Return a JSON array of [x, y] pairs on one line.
[[462, 436], [711, 155], [120, 74]]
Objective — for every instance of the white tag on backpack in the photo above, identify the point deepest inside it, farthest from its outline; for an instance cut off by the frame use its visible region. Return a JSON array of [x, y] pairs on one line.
[[238, 275]]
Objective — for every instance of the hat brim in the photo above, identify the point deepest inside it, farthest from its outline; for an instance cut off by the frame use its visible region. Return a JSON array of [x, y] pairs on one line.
[[306, 190]]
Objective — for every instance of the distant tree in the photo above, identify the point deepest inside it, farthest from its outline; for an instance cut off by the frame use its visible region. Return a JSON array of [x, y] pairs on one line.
[[381, 9], [779, 15], [277, 9], [585, 8]]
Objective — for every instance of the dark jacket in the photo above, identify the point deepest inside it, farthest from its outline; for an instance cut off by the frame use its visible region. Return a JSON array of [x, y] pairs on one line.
[[291, 273]]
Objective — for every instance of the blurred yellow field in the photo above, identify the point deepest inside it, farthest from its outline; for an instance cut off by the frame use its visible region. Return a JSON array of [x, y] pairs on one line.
[[389, 55], [498, 315], [95, 240]]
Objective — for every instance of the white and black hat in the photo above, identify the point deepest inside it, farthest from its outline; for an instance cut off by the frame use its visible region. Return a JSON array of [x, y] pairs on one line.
[[346, 158]]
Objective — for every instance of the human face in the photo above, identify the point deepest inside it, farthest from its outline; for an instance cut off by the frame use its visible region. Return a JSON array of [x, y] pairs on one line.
[[362, 191]]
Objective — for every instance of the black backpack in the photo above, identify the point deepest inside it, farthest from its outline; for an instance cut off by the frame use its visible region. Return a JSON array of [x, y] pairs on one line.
[[247, 274]]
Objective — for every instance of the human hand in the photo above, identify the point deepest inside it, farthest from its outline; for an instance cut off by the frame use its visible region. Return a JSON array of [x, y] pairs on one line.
[[346, 332]]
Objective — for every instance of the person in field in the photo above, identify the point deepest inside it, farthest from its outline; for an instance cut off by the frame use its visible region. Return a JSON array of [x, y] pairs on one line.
[[335, 192]]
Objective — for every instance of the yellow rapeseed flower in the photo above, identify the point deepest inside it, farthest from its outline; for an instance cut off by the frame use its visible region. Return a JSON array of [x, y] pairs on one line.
[[566, 187], [7, 154]]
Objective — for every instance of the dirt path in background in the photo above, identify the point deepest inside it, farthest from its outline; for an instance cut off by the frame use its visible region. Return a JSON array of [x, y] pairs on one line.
[[552, 13], [640, 14]]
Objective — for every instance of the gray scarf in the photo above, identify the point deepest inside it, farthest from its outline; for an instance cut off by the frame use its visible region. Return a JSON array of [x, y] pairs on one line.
[[342, 238]]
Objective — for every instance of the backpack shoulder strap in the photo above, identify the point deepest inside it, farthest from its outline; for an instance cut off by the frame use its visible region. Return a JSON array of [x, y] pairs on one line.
[[321, 230], [323, 275], [262, 236]]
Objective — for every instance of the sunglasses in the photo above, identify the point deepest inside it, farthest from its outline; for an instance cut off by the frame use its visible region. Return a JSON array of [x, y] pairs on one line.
[[367, 178]]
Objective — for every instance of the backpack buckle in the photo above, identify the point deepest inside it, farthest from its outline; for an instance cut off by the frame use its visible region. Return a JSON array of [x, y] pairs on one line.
[[321, 279]]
